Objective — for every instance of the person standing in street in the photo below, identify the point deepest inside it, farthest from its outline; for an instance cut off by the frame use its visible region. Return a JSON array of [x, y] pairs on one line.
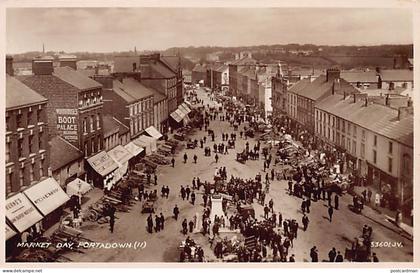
[[173, 162], [305, 222], [155, 177], [193, 198], [185, 158], [188, 191], [111, 223], [314, 254], [183, 193], [330, 212], [336, 199], [176, 212], [162, 221], [339, 258], [195, 159], [332, 254], [216, 158]]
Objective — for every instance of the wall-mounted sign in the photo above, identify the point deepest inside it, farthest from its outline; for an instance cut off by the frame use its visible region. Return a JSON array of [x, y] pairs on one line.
[[67, 124]]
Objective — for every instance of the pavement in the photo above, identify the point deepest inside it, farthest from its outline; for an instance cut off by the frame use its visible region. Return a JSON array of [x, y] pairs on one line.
[[163, 246]]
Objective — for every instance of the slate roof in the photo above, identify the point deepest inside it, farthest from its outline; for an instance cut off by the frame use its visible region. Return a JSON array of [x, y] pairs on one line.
[[110, 125], [377, 118], [359, 76], [158, 97], [246, 60], [131, 90], [124, 64], [62, 153], [162, 70], [397, 75], [19, 95], [75, 78], [172, 62], [320, 87]]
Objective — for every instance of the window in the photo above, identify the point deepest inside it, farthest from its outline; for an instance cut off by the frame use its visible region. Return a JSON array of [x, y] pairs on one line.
[[20, 147], [19, 121], [389, 164], [348, 128], [31, 144], [362, 150], [343, 141], [98, 124], [40, 142], [348, 145], [31, 172], [84, 125], [41, 168], [39, 114], [7, 123], [92, 146], [354, 148], [363, 135], [344, 126], [86, 149], [30, 118], [337, 138], [390, 148], [375, 140], [7, 152], [354, 130], [406, 164], [21, 176], [91, 123], [374, 156], [98, 141], [338, 124]]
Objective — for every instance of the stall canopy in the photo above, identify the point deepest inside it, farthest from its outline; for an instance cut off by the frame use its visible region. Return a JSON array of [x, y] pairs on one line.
[[186, 107], [148, 143], [102, 163], [120, 155], [183, 111], [176, 116], [9, 232], [153, 132], [133, 148], [47, 195], [78, 186], [21, 213]]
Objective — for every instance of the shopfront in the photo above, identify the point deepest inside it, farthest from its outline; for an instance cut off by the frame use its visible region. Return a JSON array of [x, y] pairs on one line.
[[120, 155], [48, 197], [102, 172]]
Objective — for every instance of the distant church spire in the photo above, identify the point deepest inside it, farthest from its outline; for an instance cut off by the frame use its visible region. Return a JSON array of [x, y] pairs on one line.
[[43, 48], [135, 50]]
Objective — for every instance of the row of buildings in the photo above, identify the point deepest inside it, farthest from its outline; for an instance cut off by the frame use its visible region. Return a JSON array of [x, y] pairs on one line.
[[64, 126], [367, 117]]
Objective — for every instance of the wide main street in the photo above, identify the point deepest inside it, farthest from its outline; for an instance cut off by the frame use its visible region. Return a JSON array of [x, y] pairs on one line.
[[163, 246]]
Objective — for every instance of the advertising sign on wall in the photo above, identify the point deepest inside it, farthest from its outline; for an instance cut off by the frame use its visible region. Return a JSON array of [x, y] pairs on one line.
[[67, 124]]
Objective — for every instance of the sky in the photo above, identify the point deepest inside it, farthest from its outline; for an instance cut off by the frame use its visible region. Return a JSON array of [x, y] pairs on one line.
[[122, 29]]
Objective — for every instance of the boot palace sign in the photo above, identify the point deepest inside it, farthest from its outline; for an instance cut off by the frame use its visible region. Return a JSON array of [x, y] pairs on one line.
[[67, 121]]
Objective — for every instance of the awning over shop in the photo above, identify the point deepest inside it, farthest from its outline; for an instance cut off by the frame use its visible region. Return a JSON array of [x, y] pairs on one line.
[[47, 195], [186, 107], [180, 113], [78, 186], [133, 148], [21, 213], [153, 132], [182, 110], [146, 142], [9, 232], [176, 116], [102, 163], [120, 155]]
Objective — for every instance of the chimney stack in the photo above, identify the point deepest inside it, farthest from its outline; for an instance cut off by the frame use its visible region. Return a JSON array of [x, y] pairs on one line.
[[332, 74], [43, 65], [9, 65], [68, 60]]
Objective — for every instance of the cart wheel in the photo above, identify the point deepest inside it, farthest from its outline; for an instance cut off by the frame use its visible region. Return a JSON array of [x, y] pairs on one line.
[[93, 216]]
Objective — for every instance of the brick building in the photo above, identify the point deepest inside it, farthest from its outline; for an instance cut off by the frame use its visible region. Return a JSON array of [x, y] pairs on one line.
[[27, 153], [74, 106]]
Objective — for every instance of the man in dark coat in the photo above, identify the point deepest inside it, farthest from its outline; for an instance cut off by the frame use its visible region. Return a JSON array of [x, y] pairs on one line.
[[185, 158], [176, 212], [195, 159], [336, 201], [332, 254], [330, 212], [305, 222], [314, 254], [339, 258], [173, 162], [193, 198]]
